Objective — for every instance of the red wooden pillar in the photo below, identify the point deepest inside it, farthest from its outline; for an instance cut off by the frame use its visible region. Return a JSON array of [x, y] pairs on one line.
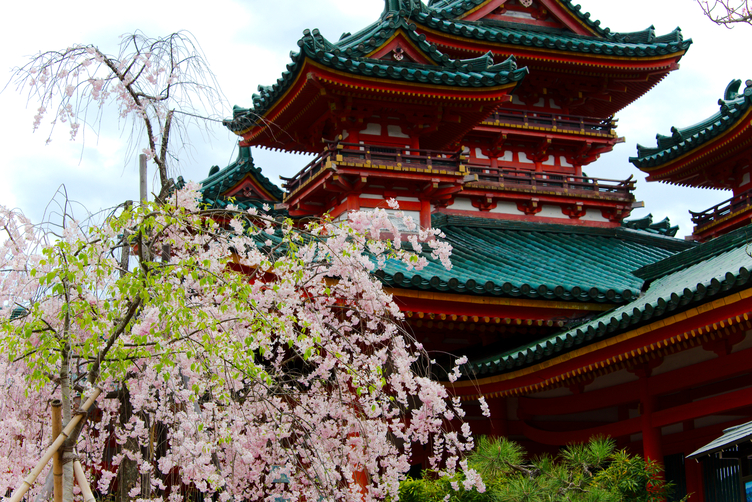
[[353, 202], [425, 214], [651, 436], [499, 422], [695, 485]]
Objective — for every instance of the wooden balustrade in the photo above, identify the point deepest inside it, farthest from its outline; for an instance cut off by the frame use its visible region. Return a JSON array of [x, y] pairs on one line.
[[722, 209], [552, 181], [358, 154], [526, 118]]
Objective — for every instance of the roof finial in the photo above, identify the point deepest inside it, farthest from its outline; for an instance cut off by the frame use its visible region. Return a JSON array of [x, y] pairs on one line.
[[392, 5]]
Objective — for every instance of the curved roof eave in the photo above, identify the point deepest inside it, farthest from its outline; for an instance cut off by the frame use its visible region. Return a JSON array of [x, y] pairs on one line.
[[733, 108]]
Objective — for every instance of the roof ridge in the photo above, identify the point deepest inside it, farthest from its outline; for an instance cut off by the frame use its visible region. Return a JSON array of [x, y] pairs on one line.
[[702, 252], [442, 220], [722, 275], [220, 180], [731, 108]]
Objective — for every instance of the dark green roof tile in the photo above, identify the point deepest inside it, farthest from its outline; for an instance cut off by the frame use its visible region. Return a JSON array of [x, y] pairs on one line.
[[733, 108], [533, 260], [730, 438], [646, 223], [637, 44], [349, 55], [221, 180], [707, 270]]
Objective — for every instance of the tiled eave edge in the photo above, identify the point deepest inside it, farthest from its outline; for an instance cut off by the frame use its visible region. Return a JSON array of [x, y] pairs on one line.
[[695, 255], [466, 7], [594, 47], [714, 134], [315, 48], [637, 346]]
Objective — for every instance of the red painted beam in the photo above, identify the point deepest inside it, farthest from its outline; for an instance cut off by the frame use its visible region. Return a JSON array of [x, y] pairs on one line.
[[703, 408], [617, 429], [589, 360], [689, 377], [513, 311]]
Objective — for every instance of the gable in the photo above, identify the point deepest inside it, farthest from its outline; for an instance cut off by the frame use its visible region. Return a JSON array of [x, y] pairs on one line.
[[553, 14], [249, 188], [399, 47]]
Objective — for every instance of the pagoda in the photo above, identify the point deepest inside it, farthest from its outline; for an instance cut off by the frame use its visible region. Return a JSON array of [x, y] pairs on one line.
[[469, 108], [479, 116], [716, 154]]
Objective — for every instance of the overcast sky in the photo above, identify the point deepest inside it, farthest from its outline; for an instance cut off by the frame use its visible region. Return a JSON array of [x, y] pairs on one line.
[[247, 43]]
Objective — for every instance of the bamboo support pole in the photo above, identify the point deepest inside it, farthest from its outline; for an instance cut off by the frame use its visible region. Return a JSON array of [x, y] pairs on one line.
[[57, 458], [82, 483], [29, 480]]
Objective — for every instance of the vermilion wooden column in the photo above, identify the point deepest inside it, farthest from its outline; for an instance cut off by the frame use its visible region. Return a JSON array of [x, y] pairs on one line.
[[695, 486], [498, 408], [651, 436]]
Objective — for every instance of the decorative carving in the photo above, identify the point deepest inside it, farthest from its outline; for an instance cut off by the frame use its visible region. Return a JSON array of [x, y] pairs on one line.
[[575, 211], [484, 203], [250, 193], [723, 346], [529, 207], [645, 369], [616, 214]]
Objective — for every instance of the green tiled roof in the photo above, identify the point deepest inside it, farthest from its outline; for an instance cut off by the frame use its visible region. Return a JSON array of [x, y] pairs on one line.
[[733, 107], [709, 269], [646, 223], [638, 44], [349, 55], [535, 260], [221, 180], [455, 8]]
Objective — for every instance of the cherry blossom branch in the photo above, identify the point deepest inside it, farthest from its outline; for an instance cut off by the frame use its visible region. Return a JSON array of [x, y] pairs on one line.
[[147, 81], [727, 13]]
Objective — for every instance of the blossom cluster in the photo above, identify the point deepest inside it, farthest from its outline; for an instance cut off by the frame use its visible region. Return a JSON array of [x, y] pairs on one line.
[[242, 355]]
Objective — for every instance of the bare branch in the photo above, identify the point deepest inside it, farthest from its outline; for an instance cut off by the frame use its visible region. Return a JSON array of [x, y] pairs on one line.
[[727, 13]]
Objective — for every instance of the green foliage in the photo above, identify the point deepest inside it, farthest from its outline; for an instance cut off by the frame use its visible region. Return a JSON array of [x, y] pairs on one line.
[[592, 472]]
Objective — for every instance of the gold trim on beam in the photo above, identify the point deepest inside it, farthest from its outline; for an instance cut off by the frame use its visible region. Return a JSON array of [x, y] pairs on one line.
[[662, 323], [504, 302]]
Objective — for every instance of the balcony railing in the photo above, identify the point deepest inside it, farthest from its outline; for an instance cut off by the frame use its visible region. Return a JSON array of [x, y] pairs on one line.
[[357, 153], [374, 156], [723, 209], [570, 123], [552, 181]]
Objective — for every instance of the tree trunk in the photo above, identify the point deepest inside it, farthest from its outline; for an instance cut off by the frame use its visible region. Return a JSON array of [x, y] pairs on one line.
[[67, 449], [128, 475]]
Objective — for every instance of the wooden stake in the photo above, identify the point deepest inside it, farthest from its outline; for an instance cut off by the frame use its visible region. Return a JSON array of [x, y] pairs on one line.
[[57, 458], [34, 474], [143, 187], [82, 483]]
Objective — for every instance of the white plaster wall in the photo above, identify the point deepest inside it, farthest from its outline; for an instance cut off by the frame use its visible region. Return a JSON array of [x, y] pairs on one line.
[[593, 215], [479, 154], [371, 128], [508, 156], [524, 159], [506, 207], [463, 205], [395, 131], [552, 212]]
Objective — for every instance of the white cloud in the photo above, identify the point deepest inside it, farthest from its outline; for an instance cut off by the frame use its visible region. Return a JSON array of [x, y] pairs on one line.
[[247, 43]]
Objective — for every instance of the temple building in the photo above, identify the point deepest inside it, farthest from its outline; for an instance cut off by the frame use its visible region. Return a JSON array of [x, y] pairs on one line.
[[479, 116]]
